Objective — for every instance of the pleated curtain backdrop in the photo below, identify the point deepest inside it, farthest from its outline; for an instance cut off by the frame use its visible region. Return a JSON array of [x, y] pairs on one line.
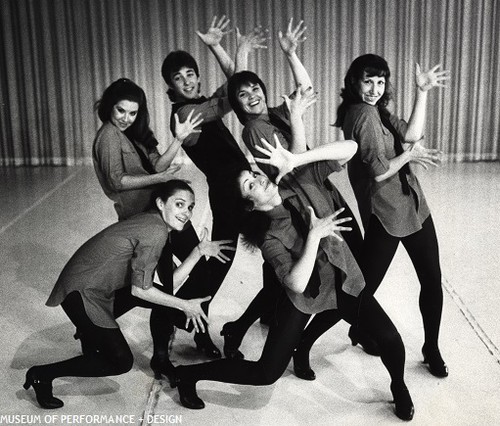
[[57, 57]]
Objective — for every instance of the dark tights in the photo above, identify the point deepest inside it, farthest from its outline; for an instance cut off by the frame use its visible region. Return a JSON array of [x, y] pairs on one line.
[[207, 276], [106, 350], [267, 298], [422, 247], [285, 332]]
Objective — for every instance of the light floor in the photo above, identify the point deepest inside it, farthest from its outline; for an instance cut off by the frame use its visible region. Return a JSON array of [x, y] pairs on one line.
[[47, 213]]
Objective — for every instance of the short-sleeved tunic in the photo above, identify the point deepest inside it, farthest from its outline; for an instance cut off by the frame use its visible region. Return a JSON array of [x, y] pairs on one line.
[[400, 214], [284, 243], [124, 254], [114, 156]]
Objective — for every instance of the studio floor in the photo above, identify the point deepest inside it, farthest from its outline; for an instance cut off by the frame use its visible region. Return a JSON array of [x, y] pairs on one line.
[[47, 213]]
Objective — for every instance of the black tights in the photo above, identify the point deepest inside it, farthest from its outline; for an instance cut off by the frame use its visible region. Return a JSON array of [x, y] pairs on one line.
[[265, 301], [106, 350], [422, 247], [285, 333]]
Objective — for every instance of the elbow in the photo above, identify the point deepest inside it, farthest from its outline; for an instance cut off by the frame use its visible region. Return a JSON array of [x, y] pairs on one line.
[[295, 285], [136, 291], [352, 147], [412, 137]]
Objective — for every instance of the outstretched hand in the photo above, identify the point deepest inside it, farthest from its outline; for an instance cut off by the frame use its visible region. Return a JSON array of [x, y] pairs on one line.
[[425, 157], [292, 37], [251, 41], [194, 313], [300, 100], [278, 157], [184, 129], [323, 227], [214, 248], [216, 32], [426, 80]]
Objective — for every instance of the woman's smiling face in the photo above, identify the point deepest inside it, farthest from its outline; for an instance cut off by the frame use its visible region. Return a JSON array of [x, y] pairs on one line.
[[252, 99], [124, 113], [177, 210], [371, 89]]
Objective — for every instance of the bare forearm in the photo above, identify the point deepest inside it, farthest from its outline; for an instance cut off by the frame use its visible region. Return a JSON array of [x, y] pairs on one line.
[[416, 123], [153, 295], [395, 164], [224, 60], [185, 268], [300, 274], [298, 143], [143, 181], [168, 156], [300, 74], [342, 151]]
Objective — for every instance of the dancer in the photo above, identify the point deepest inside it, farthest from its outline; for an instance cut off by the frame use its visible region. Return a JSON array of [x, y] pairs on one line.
[[391, 202], [126, 160], [296, 226], [248, 97], [212, 150], [112, 273], [129, 167]]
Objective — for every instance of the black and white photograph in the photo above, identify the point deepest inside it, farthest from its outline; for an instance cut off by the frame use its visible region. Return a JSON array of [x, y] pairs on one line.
[[250, 212]]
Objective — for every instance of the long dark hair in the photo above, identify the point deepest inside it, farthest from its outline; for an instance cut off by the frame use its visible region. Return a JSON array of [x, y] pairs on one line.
[[125, 89], [373, 65], [233, 86]]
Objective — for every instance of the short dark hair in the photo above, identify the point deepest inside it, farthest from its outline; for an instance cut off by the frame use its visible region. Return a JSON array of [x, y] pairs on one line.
[[165, 190], [373, 65], [174, 62], [125, 89], [233, 86]]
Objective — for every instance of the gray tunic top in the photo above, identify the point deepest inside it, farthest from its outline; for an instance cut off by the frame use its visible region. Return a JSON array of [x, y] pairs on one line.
[[124, 254], [114, 156], [400, 214]]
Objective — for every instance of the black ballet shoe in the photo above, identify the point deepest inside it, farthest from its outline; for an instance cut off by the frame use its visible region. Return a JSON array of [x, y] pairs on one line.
[[164, 369], [204, 344], [404, 408], [301, 366], [43, 390], [435, 361], [188, 396], [368, 344], [232, 341]]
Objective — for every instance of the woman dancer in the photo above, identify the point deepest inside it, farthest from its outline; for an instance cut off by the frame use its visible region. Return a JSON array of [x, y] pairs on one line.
[[296, 228], [109, 275], [248, 97], [390, 199], [129, 167]]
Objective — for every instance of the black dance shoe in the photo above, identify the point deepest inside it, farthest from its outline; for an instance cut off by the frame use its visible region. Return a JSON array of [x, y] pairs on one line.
[[188, 396], [404, 408], [435, 361], [43, 390], [204, 344], [232, 341], [367, 343], [301, 366], [164, 369]]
